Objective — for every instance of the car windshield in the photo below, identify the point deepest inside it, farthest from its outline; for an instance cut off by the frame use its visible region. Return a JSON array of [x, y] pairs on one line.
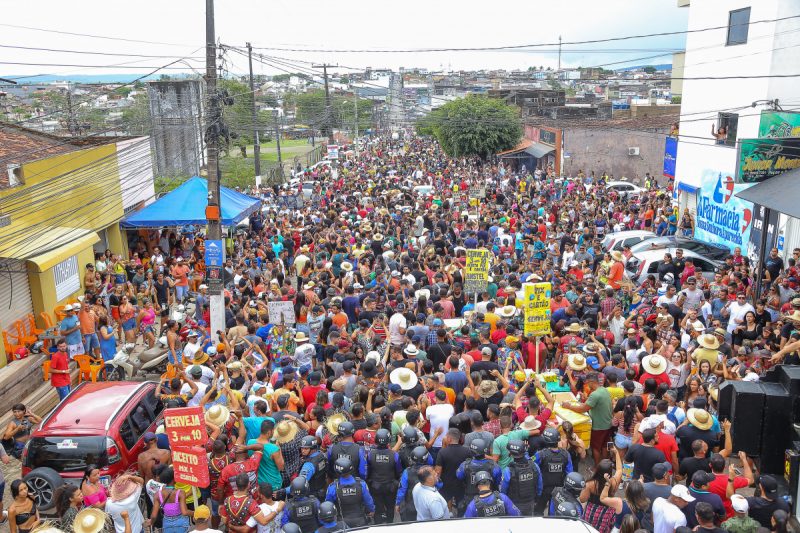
[[66, 454]]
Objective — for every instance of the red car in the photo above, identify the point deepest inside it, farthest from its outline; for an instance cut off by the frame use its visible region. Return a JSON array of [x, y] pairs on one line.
[[98, 424]]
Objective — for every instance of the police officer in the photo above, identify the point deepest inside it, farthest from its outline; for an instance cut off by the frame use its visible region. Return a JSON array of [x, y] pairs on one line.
[[347, 448], [404, 503], [555, 464], [568, 510], [315, 466], [569, 493], [350, 494], [522, 479], [383, 472], [471, 467], [327, 516], [409, 437], [489, 502], [301, 509]]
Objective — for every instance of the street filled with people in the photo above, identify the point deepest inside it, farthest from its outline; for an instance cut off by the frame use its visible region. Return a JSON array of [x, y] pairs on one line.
[[397, 391]]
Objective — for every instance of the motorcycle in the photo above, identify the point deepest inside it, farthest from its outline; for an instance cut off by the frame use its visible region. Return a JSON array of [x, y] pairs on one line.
[[125, 365]]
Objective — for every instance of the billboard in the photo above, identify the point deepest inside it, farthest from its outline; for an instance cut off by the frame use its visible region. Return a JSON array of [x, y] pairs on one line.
[[722, 217], [760, 159], [774, 124], [670, 157]]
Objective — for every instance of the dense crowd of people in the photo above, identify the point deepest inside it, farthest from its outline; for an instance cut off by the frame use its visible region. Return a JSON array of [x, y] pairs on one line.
[[396, 395]]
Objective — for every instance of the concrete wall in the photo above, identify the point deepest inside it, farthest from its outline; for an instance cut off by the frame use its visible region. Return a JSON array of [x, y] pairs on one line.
[[602, 150]]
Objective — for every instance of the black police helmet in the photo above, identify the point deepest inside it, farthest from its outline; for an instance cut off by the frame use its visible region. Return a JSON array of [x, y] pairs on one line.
[[346, 429], [551, 436], [383, 437], [299, 486], [291, 527], [567, 509], [309, 442], [483, 478], [420, 455], [327, 512], [409, 435], [574, 482], [516, 448], [478, 446], [343, 466]]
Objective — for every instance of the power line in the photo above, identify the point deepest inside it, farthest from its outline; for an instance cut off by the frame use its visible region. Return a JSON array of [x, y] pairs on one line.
[[61, 32], [92, 66], [89, 52]]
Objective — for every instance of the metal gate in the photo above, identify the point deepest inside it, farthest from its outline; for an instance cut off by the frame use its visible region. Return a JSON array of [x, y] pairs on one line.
[[15, 293]]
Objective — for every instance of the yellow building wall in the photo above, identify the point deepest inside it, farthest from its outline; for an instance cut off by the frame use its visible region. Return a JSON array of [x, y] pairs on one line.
[[43, 287]]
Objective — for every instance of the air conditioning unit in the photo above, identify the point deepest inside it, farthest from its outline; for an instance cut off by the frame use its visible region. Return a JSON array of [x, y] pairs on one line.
[[633, 150]]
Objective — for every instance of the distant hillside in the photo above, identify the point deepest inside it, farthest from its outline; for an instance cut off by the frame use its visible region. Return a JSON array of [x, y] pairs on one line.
[[87, 78], [663, 66]]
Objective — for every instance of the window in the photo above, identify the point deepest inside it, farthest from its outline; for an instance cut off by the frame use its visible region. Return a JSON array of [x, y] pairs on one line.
[[128, 434], [653, 268], [727, 127], [738, 26], [66, 277]]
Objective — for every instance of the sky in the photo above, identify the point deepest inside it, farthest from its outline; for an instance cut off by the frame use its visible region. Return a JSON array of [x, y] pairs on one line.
[[175, 29]]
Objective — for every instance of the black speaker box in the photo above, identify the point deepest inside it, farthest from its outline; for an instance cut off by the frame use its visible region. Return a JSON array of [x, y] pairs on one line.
[[742, 402], [776, 427]]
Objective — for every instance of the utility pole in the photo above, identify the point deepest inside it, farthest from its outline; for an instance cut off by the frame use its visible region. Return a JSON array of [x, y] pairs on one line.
[[559, 52], [278, 143], [328, 113], [257, 143], [355, 122], [213, 210]]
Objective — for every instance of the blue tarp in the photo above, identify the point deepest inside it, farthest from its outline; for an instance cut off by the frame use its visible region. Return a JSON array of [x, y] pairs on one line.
[[187, 205]]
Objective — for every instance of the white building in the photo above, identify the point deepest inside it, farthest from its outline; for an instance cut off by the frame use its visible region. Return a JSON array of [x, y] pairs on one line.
[[713, 96]]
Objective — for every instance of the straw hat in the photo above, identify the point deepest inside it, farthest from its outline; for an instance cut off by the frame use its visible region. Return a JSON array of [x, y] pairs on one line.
[[217, 415], [404, 377], [591, 348], [530, 423], [654, 364], [89, 520], [576, 361], [708, 341], [616, 255], [377, 237], [422, 292], [794, 317], [285, 431], [46, 527], [300, 337], [507, 311], [374, 355], [487, 388], [347, 266], [700, 418], [309, 285], [574, 328], [121, 488], [332, 424], [411, 350]]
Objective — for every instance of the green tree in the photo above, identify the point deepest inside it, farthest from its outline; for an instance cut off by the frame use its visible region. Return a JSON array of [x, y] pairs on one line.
[[649, 69], [239, 116], [136, 118], [475, 126]]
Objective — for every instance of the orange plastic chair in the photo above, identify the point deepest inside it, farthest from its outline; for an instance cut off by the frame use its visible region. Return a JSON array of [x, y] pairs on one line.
[[46, 370], [58, 311], [11, 349], [48, 322], [88, 371], [172, 372], [23, 337], [33, 330]]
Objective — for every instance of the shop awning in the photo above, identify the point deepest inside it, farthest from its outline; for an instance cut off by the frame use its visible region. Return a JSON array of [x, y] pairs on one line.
[[519, 148], [50, 246], [778, 192], [539, 150], [187, 205], [691, 189]]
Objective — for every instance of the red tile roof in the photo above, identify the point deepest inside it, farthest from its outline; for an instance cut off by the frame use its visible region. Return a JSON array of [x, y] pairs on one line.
[[21, 145]]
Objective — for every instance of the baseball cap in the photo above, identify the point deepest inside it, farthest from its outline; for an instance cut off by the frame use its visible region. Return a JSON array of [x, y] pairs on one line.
[[195, 370], [486, 351], [680, 491], [149, 436], [661, 469], [202, 512], [769, 484], [701, 478], [438, 322], [421, 317], [348, 365], [739, 503], [394, 388], [593, 362]]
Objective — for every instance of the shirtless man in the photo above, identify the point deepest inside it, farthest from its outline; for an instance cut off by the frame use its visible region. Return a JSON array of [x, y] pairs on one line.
[[151, 456]]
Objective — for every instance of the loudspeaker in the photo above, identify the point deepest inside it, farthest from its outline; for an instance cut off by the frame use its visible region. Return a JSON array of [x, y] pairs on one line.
[[776, 427], [742, 402]]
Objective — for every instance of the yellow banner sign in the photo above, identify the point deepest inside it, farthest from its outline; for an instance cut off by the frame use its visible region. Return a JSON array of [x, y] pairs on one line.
[[537, 308], [476, 271]]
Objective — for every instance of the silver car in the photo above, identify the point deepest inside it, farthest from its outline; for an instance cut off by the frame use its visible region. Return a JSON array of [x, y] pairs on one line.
[[641, 264]]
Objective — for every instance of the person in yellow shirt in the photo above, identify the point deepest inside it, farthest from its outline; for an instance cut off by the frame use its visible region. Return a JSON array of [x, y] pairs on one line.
[[490, 317]]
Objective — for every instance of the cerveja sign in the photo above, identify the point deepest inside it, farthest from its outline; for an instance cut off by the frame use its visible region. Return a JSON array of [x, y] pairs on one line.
[[476, 271], [537, 308], [760, 159], [722, 217]]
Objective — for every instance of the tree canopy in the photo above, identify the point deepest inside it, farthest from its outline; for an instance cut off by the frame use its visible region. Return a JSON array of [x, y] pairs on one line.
[[473, 126]]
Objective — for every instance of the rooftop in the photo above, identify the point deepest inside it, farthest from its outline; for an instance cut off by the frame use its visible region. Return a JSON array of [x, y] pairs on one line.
[[645, 122], [22, 145]]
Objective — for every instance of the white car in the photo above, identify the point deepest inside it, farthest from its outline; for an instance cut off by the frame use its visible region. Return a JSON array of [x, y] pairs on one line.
[[619, 239], [504, 524], [647, 262], [423, 190], [624, 188]]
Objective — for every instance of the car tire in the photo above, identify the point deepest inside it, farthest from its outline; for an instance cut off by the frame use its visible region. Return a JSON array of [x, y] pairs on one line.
[[43, 483]]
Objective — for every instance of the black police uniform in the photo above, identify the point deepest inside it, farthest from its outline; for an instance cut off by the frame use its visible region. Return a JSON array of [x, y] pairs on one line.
[[553, 464], [350, 500], [494, 508], [318, 483], [408, 512], [470, 484], [302, 510], [523, 484], [351, 450], [561, 495], [382, 482]]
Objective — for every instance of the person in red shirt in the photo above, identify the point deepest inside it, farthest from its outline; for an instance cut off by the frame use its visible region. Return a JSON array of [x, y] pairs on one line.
[[309, 391], [244, 465], [724, 480], [655, 366], [59, 369], [241, 506], [526, 402]]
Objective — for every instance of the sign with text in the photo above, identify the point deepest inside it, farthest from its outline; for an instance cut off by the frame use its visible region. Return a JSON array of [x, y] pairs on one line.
[[536, 307], [215, 253], [760, 159], [722, 217], [333, 151], [185, 426], [775, 124], [477, 191], [214, 278], [191, 466], [281, 313], [670, 157], [476, 271]]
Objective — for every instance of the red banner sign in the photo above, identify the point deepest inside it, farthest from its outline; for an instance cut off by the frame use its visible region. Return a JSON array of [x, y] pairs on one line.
[[185, 426], [191, 465]]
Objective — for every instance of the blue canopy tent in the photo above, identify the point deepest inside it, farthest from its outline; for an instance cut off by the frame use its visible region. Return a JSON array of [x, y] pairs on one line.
[[187, 205]]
